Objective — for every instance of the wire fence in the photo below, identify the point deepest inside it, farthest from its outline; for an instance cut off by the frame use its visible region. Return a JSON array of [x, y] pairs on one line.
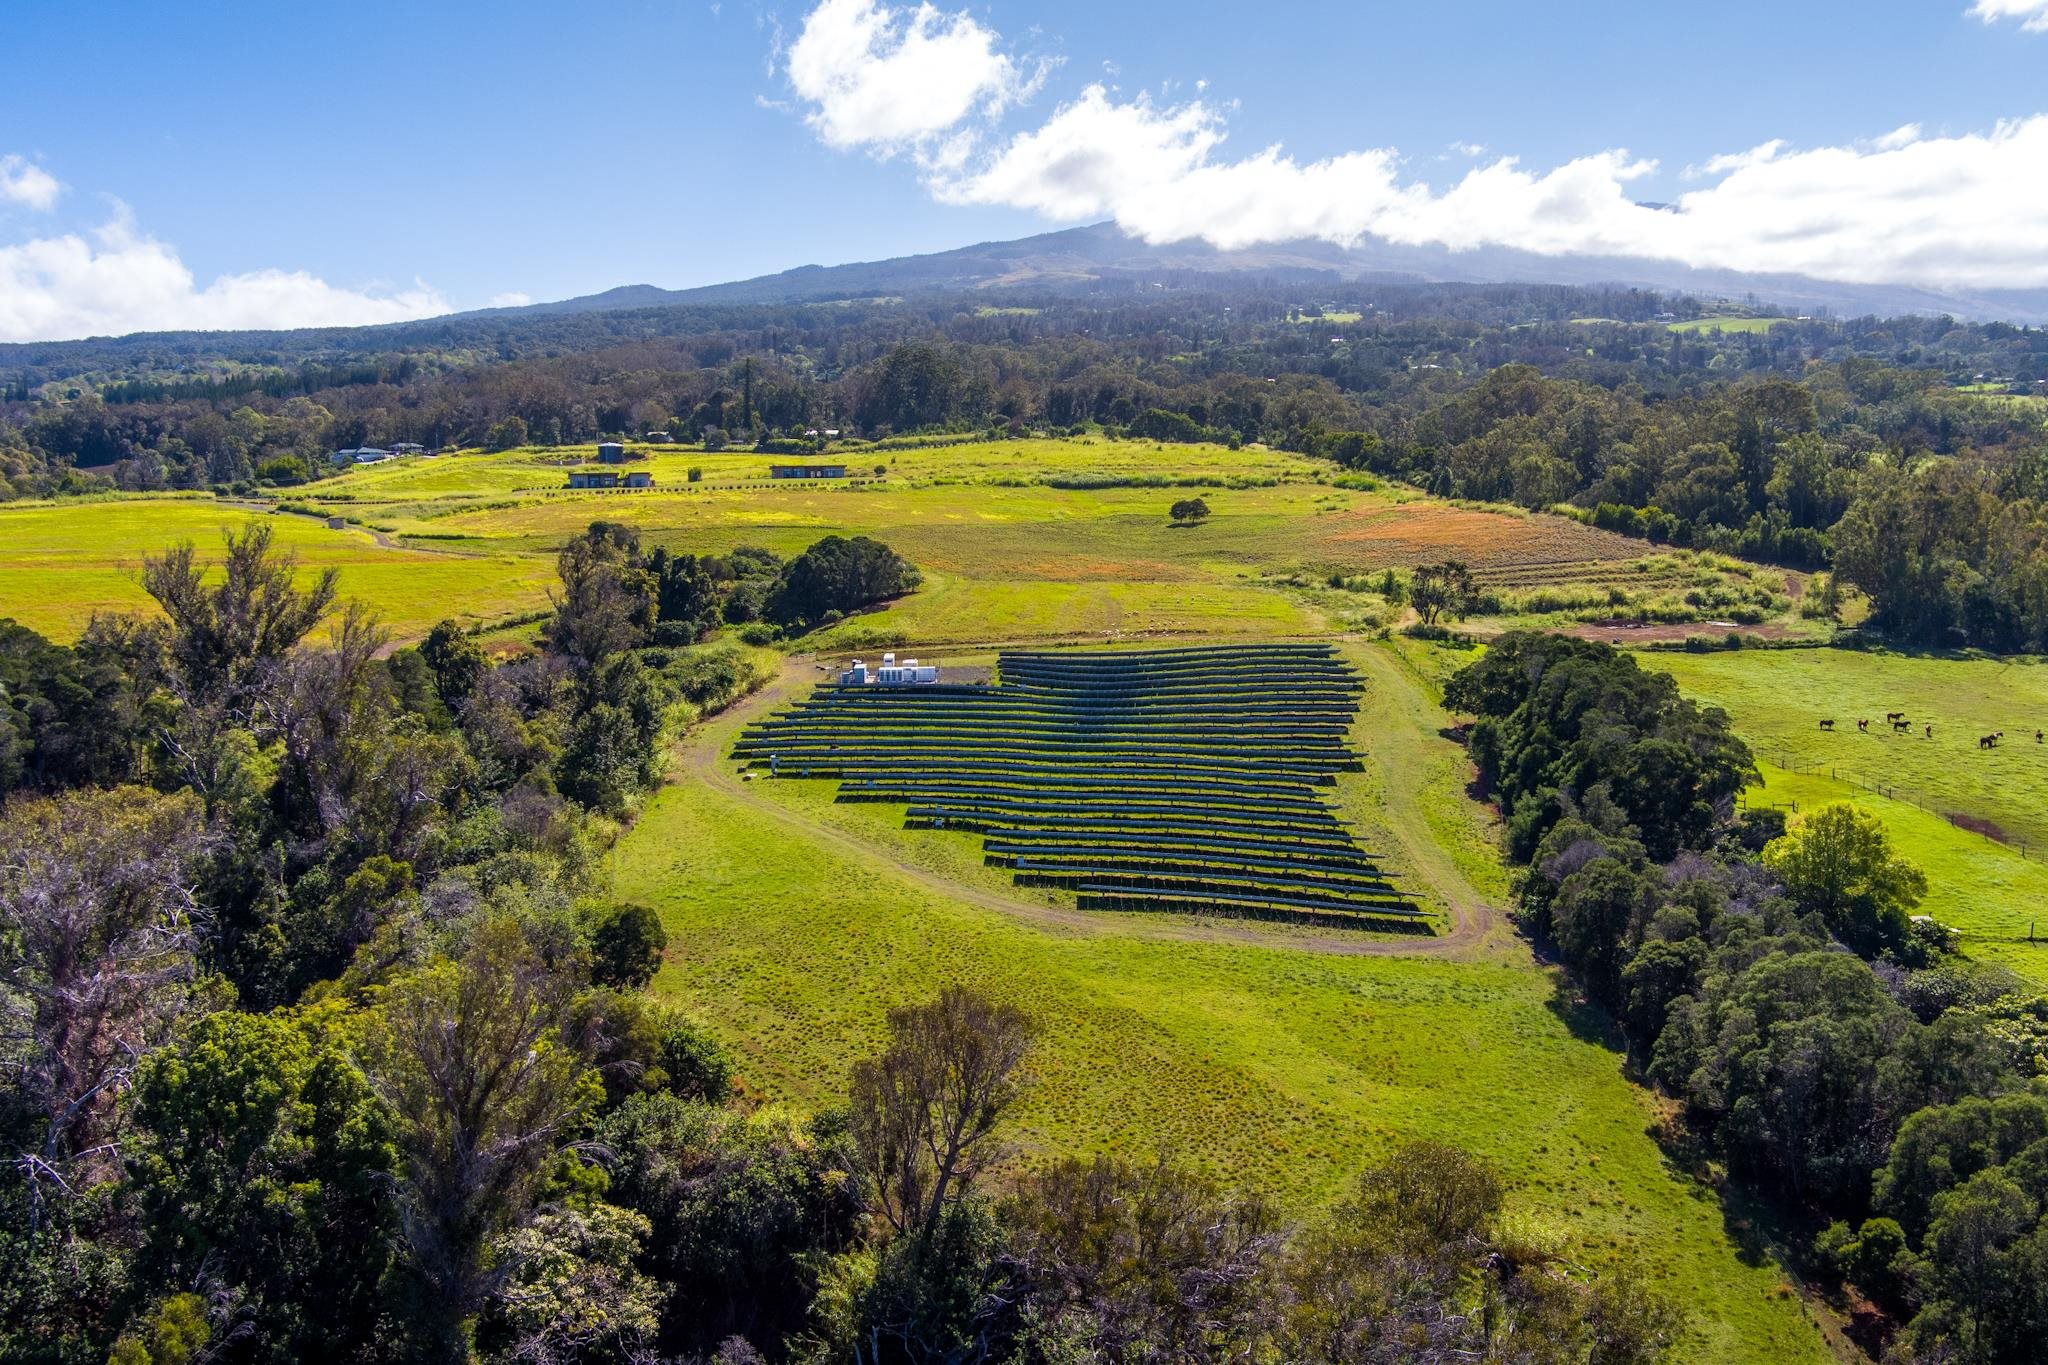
[[1892, 791]]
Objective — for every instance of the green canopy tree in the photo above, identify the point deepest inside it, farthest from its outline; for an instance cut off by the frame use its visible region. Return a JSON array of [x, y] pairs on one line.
[[1839, 863]]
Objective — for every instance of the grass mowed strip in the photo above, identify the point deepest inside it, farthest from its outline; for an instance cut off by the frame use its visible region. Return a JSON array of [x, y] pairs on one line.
[[1162, 725], [1778, 698], [797, 924]]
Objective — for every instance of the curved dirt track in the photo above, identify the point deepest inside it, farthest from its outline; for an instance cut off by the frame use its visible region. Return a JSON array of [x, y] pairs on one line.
[[1473, 920]]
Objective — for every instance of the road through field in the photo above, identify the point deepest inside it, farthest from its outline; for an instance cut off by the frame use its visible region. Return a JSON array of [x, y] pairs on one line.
[[1473, 919]]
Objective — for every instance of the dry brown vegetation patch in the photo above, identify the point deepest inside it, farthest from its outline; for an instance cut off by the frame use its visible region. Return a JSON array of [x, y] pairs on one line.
[[1419, 533]]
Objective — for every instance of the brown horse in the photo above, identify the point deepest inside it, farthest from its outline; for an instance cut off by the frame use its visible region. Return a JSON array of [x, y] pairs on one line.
[[1827, 725]]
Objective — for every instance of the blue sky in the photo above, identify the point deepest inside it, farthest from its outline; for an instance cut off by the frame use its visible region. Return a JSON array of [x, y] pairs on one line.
[[303, 163]]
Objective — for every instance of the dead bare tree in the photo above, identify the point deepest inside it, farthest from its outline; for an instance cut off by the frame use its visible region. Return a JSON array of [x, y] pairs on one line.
[[98, 920]]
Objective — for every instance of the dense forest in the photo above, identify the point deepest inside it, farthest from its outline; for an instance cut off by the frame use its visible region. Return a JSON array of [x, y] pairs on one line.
[[321, 1040], [1908, 454], [1824, 1044]]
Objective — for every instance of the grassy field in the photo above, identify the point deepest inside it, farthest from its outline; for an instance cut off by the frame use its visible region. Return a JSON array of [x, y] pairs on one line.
[[1778, 698], [62, 562], [1017, 538], [1988, 891], [1726, 324], [1261, 1056]]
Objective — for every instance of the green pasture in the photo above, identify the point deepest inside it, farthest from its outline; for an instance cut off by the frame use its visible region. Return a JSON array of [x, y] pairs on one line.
[[1990, 893], [62, 562], [1778, 698], [1033, 539], [1726, 324], [1256, 1055]]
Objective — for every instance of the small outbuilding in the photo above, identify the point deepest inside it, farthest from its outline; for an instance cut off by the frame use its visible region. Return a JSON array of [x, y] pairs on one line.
[[611, 452], [909, 673], [639, 478], [806, 471], [593, 478]]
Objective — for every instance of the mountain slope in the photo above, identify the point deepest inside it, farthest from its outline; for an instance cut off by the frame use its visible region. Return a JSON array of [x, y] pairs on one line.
[[1102, 255]]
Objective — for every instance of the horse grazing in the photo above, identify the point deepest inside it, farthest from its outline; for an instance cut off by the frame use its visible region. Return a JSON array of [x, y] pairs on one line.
[[1930, 732], [1894, 717], [1902, 724], [1827, 725], [1987, 742], [1864, 726]]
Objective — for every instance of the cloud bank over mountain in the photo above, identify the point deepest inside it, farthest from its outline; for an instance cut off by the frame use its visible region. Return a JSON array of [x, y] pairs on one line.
[[1961, 210]]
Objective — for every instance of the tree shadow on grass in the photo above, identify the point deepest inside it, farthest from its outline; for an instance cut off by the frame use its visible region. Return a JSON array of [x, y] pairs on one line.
[[1588, 1022]]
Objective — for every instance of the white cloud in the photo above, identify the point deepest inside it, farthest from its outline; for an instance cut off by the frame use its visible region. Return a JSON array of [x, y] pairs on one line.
[[25, 183], [116, 279], [889, 80], [2032, 14], [1735, 161], [511, 298], [1965, 210]]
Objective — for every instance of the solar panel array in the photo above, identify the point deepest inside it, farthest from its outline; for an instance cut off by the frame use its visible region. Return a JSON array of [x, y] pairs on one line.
[[1172, 779]]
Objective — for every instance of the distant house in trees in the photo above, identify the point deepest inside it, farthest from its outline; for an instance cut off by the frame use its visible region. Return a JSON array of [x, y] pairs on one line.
[[408, 448], [658, 438], [359, 455], [611, 452], [806, 471]]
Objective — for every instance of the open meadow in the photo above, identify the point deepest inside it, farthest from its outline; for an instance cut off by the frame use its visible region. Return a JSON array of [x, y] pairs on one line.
[[62, 562], [1726, 324], [1275, 1059], [1035, 539], [1975, 819], [1778, 698]]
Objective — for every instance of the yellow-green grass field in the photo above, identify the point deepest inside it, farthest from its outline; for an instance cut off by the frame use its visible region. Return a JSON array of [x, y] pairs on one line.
[[1017, 538], [1726, 324], [62, 562], [1264, 1058]]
